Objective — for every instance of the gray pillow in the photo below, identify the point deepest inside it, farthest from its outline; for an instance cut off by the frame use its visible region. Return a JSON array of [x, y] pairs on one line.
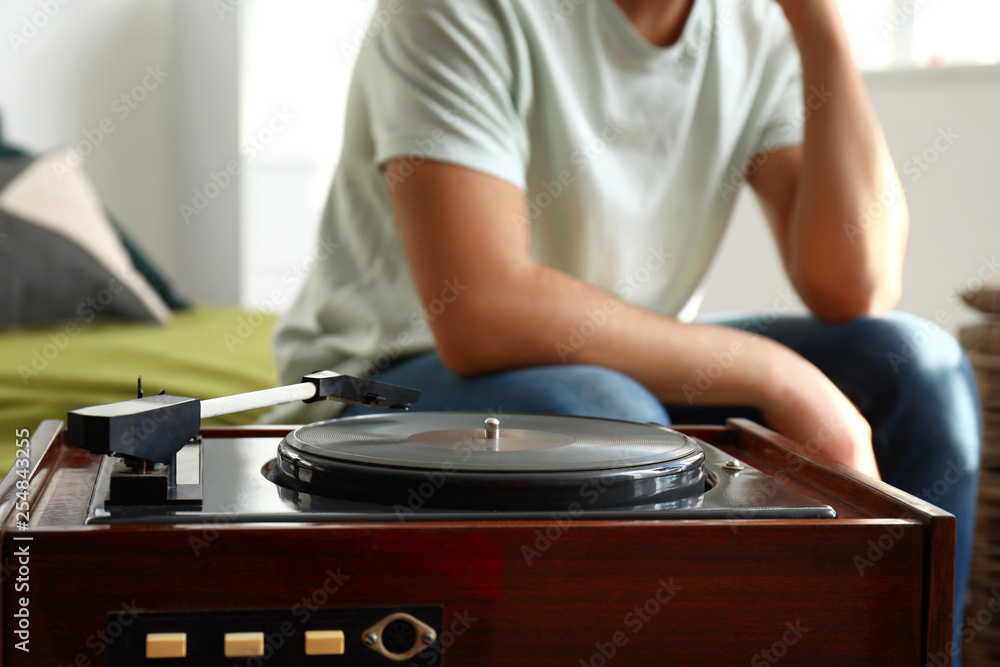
[[60, 258]]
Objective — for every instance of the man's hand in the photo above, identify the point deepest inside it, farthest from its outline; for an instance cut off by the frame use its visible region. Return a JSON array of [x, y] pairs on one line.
[[810, 410]]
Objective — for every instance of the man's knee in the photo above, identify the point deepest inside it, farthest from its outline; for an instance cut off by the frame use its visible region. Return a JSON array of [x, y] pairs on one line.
[[590, 391], [929, 372], [911, 347]]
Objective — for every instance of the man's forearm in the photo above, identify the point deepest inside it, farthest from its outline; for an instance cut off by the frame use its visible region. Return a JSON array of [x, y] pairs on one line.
[[541, 316], [845, 254]]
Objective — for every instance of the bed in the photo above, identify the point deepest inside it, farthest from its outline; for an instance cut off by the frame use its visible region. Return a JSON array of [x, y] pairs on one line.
[[198, 354], [83, 312]]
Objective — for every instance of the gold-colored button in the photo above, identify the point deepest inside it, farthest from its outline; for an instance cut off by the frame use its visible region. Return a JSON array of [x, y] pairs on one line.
[[324, 642], [166, 645], [244, 644]]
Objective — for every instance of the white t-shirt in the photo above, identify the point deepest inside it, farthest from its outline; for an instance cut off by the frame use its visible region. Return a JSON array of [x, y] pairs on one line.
[[630, 155]]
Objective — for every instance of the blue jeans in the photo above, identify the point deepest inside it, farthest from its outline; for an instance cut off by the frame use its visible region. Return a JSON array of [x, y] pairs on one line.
[[909, 378]]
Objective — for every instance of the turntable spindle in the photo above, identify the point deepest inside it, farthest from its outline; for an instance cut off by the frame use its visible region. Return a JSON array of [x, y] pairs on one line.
[[492, 434]]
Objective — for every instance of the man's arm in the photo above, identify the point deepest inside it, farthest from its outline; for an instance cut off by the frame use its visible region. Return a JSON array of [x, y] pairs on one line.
[[843, 262], [459, 224]]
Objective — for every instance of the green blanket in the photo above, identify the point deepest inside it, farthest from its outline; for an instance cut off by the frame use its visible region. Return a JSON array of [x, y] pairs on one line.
[[204, 353]]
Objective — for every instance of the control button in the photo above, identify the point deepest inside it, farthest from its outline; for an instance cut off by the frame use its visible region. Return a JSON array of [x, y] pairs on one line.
[[244, 644], [324, 642], [166, 645]]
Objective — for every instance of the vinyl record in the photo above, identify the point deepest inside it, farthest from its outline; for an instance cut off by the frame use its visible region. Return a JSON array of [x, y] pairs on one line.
[[528, 461]]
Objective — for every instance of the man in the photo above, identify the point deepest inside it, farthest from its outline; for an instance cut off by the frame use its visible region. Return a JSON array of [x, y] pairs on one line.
[[508, 166]]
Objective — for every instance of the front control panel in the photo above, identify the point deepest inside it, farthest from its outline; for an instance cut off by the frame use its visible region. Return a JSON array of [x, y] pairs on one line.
[[300, 636]]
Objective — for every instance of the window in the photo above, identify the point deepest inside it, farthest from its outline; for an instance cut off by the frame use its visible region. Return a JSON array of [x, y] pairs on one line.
[[893, 34]]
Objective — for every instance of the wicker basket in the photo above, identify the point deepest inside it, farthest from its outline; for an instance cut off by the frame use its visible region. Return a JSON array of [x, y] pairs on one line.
[[982, 343]]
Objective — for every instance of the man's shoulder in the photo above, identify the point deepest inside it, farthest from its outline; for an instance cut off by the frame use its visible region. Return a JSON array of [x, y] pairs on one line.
[[431, 25]]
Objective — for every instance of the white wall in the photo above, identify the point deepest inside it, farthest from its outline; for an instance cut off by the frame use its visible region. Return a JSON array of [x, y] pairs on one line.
[[205, 209], [954, 202], [58, 87]]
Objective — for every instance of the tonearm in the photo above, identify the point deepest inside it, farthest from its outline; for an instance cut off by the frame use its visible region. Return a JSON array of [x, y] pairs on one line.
[[155, 428], [141, 438]]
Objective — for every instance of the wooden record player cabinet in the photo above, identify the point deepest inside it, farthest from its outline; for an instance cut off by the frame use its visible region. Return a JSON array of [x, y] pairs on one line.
[[873, 586]]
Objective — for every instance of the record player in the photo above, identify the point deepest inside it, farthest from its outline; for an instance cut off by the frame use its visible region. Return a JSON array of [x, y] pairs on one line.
[[136, 537]]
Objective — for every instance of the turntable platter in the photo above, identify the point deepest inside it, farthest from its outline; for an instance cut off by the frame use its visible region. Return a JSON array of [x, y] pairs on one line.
[[525, 442], [542, 461]]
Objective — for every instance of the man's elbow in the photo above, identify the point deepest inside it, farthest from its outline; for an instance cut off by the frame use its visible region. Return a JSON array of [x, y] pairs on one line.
[[460, 360], [468, 349], [844, 304]]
